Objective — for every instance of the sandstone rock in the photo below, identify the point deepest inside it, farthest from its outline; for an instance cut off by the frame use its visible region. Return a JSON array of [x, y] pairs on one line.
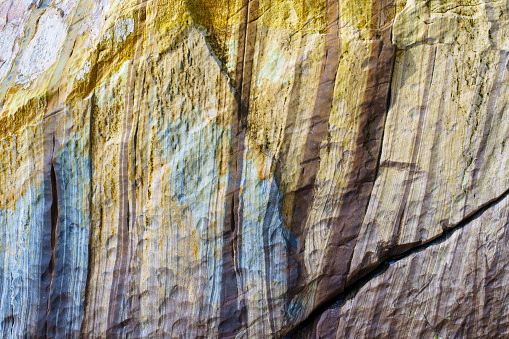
[[446, 127], [196, 168]]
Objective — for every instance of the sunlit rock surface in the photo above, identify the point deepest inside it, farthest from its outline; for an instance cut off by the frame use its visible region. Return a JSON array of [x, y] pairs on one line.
[[253, 168]]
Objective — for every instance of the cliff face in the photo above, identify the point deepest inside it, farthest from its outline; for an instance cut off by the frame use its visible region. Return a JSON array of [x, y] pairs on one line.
[[254, 168]]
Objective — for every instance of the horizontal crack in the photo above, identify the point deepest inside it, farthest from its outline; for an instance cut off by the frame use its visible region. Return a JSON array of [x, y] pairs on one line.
[[354, 287]]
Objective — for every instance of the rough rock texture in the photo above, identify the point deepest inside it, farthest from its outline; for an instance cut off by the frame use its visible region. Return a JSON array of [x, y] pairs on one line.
[[430, 293], [253, 168]]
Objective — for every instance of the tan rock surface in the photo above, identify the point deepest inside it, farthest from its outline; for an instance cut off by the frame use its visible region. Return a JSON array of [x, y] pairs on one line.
[[196, 168], [445, 138]]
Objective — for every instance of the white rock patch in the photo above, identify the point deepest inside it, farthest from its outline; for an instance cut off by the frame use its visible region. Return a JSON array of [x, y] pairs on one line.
[[13, 15], [82, 72], [123, 28], [43, 49], [7, 40], [66, 6]]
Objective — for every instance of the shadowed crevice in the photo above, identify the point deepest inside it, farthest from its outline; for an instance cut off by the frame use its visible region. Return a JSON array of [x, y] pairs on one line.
[[233, 313], [46, 325], [52, 263]]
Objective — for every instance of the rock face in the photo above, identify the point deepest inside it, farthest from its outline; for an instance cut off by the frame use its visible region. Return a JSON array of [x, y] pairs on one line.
[[254, 168]]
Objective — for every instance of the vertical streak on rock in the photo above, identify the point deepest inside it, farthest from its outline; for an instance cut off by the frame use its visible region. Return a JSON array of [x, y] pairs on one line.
[[90, 206], [45, 323], [319, 121], [65, 233], [244, 68], [319, 128], [134, 272], [134, 313], [117, 296], [229, 321], [432, 171], [292, 115], [272, 206], [118, 307], [416, 144], [355, 198], [232, 315], [244, 92], [54, 238], [293, 267]]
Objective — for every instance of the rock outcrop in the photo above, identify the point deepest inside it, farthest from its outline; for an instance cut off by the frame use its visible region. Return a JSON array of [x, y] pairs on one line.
[[253, 168]]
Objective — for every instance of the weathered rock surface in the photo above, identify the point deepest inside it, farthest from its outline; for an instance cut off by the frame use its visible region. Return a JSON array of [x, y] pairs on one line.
[[234, 168], [432, 293]]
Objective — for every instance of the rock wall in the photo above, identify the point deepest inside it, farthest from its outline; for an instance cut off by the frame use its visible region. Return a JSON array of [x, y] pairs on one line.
[[253, 168]]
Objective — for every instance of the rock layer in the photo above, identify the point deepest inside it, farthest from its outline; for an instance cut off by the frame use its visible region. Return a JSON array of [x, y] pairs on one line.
[[195, 168]]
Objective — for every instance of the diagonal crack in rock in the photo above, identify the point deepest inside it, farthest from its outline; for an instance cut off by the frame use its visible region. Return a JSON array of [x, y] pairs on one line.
[[355, 286]]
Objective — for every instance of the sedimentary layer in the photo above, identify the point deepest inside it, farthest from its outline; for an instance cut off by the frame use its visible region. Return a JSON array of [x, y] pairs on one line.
[[230, 168]]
